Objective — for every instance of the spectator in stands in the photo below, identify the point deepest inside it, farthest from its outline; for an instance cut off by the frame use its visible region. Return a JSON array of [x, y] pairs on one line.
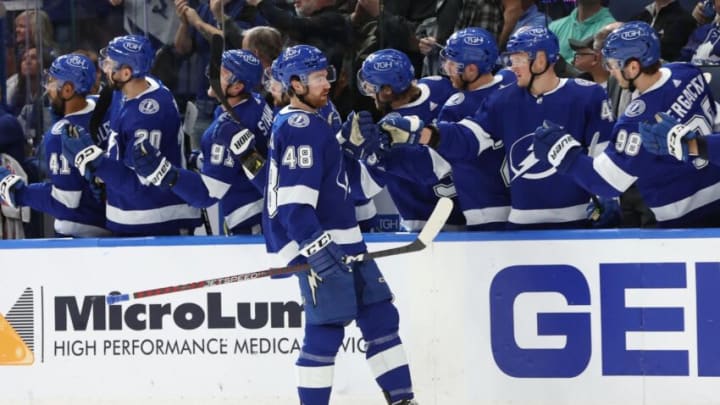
[[587, 59], [33, 29], [583, 22], [197, 25], [26, 99], [673, 25], [318, 23], [704, 12], [703, 47], [264, 42]]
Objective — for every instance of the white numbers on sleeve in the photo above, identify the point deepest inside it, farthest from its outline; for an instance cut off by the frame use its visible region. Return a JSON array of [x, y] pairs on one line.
[[628, 143], [301, 157], [58, 164], [155, 136]]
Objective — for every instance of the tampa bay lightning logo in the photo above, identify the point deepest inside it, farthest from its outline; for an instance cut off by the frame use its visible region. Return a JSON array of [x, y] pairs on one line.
[[58, 127], [583, 82], [149, 106], [523, 162], [635, 108], [455, 99], [299, 120]]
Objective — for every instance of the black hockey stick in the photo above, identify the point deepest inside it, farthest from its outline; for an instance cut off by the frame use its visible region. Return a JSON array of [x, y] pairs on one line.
[[216, 50], [432, 227]]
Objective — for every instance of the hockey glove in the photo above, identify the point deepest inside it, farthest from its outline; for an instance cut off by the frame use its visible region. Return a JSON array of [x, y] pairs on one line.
[[553, 145], [666, 137], [9, 184], [360, 136], [195, 160], [402, 130], [604, 212], [242, 143], [152, 165], [323, 255], [79, 148]]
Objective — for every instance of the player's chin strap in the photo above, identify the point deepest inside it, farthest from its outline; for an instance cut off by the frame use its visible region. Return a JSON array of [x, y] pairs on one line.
[[631, 81], [466, 83], [533, 75]]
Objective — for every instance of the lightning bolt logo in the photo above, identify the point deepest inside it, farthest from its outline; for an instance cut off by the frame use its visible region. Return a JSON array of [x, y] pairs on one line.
[[313, 280], [528, 162]]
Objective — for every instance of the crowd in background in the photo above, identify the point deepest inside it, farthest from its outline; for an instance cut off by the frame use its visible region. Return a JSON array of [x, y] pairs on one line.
[[346, 31]]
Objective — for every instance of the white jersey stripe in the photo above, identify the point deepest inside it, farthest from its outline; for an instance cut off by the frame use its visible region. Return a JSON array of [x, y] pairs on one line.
[[680, 208], [297, 195], [612, 173], [70, 199], [548, 215]]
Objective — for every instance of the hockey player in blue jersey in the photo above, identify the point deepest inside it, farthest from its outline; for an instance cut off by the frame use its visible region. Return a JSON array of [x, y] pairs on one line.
[[365, 210], [67, 196], [222, 179], [679, 193], [468, 59], [540, 196], [415, 176], [309, 216], [147, 111]]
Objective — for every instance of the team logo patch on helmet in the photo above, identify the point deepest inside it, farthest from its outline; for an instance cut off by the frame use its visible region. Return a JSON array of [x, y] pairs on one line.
[[630, 35], [473, 40], [299, 120], [251, 59], [76, 61], [132, 46], [635, 108], [149, 106], [382, 66], [537, 32]]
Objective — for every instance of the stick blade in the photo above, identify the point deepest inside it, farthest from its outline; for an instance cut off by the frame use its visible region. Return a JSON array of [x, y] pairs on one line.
[[436, 221]]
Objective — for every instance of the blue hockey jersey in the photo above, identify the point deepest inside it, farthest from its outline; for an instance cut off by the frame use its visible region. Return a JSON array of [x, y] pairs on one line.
[[482, 192], [540, 197], [308, 189], [680, 194], [133, 206], [77, 210], [222, 178], [416, 176]]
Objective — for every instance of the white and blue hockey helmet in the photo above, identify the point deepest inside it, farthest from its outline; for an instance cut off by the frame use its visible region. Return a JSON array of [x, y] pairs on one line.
[[387, 67], [635, 40], [133, 51], [470, 46], [531, 40], [72, 68]]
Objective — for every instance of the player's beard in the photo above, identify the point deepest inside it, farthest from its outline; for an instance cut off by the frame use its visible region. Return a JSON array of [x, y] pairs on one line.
[[57, 106]]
